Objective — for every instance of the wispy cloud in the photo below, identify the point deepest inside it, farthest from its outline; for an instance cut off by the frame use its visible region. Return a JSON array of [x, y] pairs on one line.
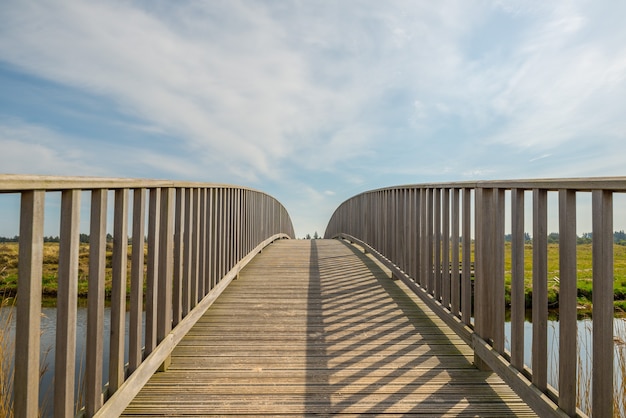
[[327, 95]]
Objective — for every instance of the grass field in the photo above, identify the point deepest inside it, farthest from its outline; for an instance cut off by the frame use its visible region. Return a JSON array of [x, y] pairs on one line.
[[585, 282], [9, 261]]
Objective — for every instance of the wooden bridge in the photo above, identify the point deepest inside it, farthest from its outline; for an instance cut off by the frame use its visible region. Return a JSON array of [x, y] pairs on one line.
[[380, 320], [318, 328]]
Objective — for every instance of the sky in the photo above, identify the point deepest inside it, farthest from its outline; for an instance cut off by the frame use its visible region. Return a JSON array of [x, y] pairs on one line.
[[313, 101]]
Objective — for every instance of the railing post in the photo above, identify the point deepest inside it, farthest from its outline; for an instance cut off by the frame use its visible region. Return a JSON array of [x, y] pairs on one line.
[[118, 291], [152, 270], [484, 267], [517, 279], [137, 280], [445, 239], [568, 340], [65, 356], [436, 291], [455, 284], [466, 280], [166, 268], [27, 338], [540, 289], [179, 227], [602, 253], [95, 301]]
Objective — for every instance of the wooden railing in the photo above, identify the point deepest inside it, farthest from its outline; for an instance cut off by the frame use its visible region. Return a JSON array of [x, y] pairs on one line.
[[198, 238], [410, 228]]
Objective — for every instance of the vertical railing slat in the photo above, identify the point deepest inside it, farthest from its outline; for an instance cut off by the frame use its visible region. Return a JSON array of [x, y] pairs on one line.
[[65, 348], [568, 340], [602, 299], [517, 279], [445, 250], [187, 252], [455, 284], [95, 302], [177, 287], [540, 289], [466, 280], [498, 301], [27, 338], [152, 269], [118, 291], [166, 267], [135, 332]]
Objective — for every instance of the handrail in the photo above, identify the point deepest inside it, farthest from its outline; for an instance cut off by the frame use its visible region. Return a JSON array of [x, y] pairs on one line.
[[199, 236], [408, 226]]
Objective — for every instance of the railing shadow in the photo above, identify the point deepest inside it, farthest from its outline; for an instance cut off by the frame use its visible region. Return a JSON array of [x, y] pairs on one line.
[[383, 353]]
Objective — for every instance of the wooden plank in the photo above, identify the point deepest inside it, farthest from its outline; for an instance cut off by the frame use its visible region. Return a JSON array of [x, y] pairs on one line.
[[290, 337], [154, 360]]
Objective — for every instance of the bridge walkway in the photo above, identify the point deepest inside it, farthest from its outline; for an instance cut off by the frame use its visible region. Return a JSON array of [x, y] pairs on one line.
[[318, 328]]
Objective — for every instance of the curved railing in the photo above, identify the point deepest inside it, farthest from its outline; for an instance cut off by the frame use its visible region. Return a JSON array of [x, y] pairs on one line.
[[197, 239], [410, 227]]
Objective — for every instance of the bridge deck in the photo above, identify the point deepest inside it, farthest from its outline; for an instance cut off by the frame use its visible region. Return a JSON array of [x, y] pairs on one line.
[[314, 327]]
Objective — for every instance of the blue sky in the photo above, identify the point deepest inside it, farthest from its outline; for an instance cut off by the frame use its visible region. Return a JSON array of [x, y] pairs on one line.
[[313, 101]]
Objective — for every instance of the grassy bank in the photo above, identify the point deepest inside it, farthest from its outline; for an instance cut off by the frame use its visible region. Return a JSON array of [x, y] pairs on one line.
[[9, 261], [584, 275]]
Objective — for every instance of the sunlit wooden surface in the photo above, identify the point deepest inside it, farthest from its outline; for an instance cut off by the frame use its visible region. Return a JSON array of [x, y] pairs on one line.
[[315, 327]]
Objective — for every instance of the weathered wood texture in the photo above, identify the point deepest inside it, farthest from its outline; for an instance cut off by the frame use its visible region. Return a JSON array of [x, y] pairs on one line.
[[315, 327]]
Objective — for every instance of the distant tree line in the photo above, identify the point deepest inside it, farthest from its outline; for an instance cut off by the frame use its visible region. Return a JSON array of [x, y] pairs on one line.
[[619, 238], [83, 238]]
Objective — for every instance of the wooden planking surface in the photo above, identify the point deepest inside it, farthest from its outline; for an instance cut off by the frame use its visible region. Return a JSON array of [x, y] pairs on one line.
[[314, 327]]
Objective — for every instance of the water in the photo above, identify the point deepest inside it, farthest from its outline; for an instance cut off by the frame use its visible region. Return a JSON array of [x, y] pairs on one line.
[[48, 336], [585, 347]]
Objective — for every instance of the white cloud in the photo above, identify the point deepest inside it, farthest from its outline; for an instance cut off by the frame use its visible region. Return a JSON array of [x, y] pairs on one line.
[[418, 90], [44, 151]]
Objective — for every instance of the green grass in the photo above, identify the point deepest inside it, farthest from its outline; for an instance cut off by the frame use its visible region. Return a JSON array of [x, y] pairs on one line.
[[9, 268], [584, 274]]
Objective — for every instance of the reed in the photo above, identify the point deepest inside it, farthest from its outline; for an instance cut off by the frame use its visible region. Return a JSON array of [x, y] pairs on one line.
[[7, 348]]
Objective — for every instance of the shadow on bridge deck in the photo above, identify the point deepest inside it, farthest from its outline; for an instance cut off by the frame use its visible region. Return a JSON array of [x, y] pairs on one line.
[[318, 328]]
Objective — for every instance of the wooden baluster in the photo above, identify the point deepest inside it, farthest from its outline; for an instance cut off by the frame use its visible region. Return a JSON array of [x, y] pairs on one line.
[[517, 279], [466, 280], [28, 314], [166, 268], [179, 228], [136, 281], [65, 348], [602, 253], [540, 289], [95, 303], [436, 290], [455, 288], [188, 252], [118, 291], [154, 223], [202, 241], [497, 296], [568, 329], [445, 248]]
